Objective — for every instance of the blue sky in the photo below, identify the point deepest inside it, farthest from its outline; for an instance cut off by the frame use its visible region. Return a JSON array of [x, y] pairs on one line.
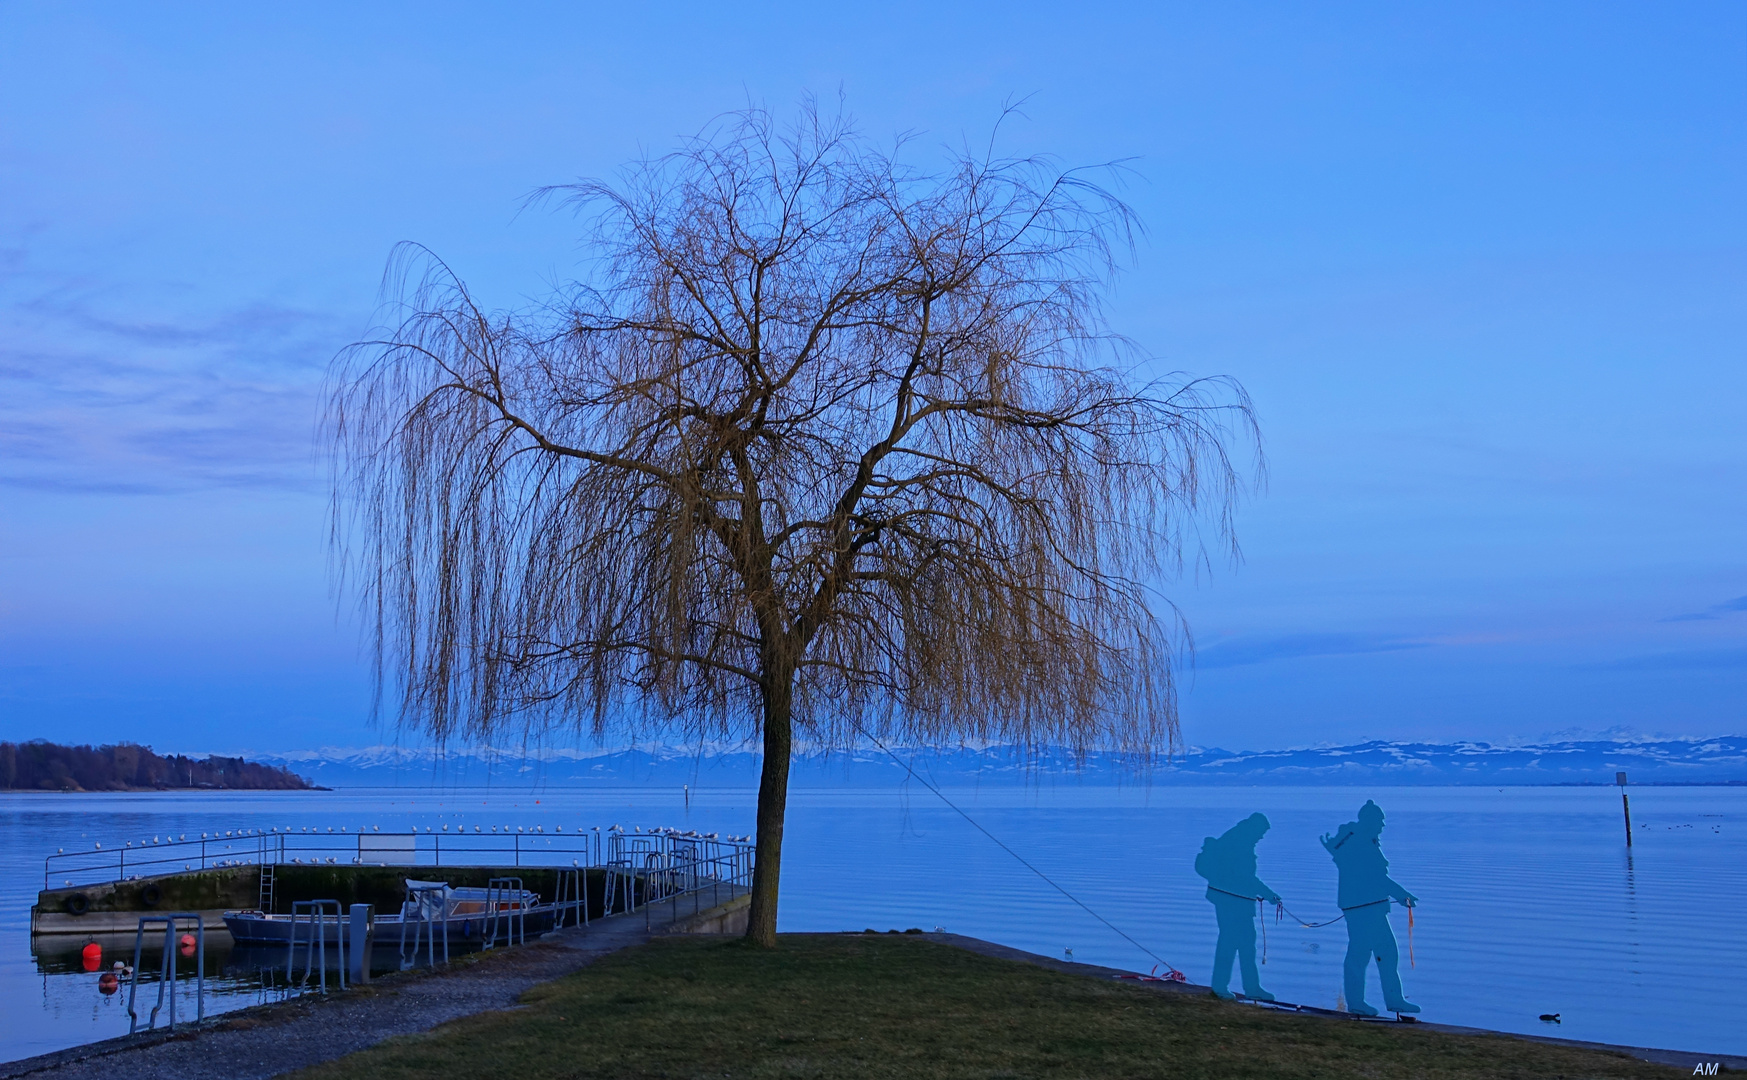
[[1482, 268]]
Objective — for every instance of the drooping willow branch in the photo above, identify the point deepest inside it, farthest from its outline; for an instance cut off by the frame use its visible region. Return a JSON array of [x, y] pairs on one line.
[[814, 419]]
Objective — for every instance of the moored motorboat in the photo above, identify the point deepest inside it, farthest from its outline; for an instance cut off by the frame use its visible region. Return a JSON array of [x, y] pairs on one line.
[[432, 908]]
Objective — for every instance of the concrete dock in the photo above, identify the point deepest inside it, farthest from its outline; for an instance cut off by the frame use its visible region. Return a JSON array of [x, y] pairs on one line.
[[267, 1041]]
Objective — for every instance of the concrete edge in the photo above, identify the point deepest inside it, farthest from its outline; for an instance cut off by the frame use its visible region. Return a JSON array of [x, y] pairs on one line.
[[143, 1040], [1685, 1059], [104, 1048], [725, 918]]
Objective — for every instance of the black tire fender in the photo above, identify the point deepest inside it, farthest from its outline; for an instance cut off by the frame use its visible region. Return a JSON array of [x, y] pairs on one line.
[[76, 903], [151, 896]]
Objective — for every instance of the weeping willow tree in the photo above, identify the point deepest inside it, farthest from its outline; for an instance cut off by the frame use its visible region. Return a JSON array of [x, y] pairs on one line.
[[822, 446]]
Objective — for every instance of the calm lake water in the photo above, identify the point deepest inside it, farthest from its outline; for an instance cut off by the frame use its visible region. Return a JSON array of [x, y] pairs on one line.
[[1530, 903]]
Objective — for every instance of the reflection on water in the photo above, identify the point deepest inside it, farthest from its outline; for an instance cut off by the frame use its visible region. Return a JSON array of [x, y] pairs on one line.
[[1529, 903], [236, 976]]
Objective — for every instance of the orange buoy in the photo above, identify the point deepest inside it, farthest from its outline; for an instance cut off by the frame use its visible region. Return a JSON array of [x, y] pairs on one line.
[[91, 956], [188, 941], [108, 983]]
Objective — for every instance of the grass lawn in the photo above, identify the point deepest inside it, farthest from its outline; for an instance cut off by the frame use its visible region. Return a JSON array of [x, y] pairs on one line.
[[853, 1005]]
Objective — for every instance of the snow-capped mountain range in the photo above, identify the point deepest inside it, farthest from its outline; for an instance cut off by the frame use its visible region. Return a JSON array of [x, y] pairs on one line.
[[1720, 760]]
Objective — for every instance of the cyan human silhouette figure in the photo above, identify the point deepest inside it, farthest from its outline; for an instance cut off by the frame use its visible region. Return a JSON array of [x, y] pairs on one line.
[[1228, 862], [1365, 892]]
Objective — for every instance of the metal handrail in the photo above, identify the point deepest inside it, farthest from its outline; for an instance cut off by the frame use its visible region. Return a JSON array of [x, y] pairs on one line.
[[416, 897], [694, 866], [529, 846], [515, 920], [167, 969], [318, 938], [641, 868]]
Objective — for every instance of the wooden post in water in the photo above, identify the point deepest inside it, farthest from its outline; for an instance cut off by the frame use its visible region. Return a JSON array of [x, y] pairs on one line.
[[1620, 779]]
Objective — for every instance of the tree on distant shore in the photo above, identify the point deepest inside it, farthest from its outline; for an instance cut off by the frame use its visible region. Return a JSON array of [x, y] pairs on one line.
[[822, 445], [44, 766]]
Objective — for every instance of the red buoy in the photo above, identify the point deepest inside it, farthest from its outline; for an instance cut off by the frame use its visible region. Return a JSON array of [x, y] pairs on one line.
[[91, 956], [188, 941]]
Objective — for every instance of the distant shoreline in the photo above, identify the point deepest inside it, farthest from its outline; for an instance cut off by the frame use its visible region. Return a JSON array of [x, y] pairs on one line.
[[41, 765], [949, 785], [162, 790]]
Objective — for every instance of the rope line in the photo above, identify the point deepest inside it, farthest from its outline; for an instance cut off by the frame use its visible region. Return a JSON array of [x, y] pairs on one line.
[[1330, 922], [1279, 907], [1022, 860]]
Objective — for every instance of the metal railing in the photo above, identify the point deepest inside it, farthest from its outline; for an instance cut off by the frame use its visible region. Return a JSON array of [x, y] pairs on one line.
[[528, 846], [427, 912], [641, 867], [571, 895], [167, 969], [314, 914], [668, 865], [506, 898]]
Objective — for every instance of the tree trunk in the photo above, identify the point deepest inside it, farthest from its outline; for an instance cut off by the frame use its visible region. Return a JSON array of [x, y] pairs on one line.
[[773, 797]]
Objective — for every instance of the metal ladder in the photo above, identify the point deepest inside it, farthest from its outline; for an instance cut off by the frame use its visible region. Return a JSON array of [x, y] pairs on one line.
[[267, 888], [417, 913], [315, 957], [571, 894], [167, 969], [508, 894]]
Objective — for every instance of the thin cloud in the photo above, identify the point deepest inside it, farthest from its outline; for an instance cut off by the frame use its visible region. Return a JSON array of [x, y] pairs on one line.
[[1685, 660], [1241, 652], [92, 402], [1715, 611]]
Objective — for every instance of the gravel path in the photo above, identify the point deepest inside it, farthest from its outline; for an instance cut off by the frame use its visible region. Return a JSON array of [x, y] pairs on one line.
[[254, 1044]]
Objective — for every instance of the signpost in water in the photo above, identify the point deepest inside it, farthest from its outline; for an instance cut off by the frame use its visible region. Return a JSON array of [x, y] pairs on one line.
[[1620, 779]]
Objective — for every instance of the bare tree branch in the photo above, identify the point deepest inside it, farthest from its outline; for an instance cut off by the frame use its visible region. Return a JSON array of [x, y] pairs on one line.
[[823, 441]]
